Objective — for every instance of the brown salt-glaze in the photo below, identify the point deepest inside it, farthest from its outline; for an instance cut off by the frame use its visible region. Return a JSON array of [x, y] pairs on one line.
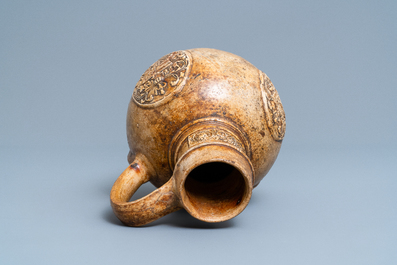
[[203, 125]]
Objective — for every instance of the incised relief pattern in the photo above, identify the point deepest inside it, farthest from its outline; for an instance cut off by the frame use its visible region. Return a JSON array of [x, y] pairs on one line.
[[214, 135], [275, 116], [165, 76]]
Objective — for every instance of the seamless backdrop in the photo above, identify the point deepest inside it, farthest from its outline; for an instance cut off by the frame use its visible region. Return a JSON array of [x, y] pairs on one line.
[[67, 72]]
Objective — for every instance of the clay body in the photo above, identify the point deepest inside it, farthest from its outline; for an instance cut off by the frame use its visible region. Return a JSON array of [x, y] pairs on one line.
[[204, 125]]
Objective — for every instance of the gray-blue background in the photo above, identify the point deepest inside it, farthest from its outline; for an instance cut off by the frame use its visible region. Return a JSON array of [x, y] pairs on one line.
[[67, 72]]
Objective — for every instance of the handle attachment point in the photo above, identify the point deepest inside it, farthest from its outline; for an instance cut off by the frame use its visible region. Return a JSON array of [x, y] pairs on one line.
[[147, 209]]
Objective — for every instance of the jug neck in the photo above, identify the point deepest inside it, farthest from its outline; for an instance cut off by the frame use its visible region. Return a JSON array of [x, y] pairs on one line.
[[213, 176]]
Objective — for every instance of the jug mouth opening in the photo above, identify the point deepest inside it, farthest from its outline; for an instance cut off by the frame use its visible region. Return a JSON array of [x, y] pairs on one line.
[[215, 191]]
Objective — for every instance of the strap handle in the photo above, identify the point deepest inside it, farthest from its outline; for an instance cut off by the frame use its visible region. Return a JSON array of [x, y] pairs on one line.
[[157, 204]]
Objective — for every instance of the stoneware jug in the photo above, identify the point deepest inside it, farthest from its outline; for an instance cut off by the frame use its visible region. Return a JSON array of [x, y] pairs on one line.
[[204, 126]]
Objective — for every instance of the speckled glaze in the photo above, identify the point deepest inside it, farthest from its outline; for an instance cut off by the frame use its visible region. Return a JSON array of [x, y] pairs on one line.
[[193, 115]]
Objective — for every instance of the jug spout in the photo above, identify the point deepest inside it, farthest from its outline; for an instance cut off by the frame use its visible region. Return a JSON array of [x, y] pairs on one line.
[[213, 181]]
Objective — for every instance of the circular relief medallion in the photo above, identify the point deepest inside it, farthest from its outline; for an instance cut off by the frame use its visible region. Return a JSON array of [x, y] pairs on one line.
[[164, 78], [275, 116]]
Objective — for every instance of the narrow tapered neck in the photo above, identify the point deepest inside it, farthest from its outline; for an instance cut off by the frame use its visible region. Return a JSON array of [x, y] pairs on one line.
[[214, 181]]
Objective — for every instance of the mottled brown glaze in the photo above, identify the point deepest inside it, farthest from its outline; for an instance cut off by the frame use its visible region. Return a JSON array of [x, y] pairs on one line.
[[194, 112]]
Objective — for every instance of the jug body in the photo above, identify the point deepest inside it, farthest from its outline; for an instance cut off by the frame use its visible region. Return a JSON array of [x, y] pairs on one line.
[[216, 116]]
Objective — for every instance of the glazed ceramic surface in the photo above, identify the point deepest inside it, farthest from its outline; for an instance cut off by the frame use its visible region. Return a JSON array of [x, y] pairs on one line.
[[203, 125]]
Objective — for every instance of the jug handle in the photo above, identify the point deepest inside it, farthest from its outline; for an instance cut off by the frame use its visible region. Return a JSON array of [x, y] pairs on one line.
[[159, 203]]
